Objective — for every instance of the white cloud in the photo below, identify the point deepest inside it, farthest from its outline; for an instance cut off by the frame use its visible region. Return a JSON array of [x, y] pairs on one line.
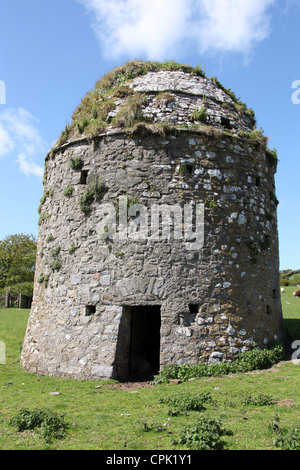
[[159, 28], [234, 25], [19, 135], [28, 167], [6, 142]]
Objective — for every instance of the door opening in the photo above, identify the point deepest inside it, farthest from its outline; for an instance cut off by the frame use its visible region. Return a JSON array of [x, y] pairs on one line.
[[144, 354], [138, 350]]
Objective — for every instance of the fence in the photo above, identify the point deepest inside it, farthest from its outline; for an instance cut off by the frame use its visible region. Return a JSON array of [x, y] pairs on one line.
[[9, 300]]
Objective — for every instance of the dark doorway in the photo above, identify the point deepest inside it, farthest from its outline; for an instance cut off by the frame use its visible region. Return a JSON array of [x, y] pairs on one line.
[[138, 351], [145, 340]]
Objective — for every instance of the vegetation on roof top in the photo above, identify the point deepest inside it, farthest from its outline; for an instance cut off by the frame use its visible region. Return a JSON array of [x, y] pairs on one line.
[[95, 112]]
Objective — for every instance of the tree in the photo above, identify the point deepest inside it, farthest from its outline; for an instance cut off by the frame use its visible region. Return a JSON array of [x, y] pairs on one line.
[[17, 259]]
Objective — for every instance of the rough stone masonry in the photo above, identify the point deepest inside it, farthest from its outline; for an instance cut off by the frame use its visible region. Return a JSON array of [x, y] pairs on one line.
[[109, 307]]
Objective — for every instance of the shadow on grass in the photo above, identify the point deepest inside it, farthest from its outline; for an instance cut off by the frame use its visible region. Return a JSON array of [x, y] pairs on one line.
[[293, 328]]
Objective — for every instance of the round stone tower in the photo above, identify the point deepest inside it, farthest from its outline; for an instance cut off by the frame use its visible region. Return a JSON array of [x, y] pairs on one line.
[[158, 230]]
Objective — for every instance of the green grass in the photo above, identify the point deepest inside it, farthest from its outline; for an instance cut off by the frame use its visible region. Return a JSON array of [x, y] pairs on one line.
[[291, 311], [103, 416]]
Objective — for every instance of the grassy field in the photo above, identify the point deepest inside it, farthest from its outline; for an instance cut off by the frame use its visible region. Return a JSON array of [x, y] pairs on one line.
[[291, 311], [105, 415]]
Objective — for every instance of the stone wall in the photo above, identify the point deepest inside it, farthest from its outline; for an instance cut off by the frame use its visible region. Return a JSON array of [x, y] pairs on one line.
[[215, 301], [233, 278], [173, 97]]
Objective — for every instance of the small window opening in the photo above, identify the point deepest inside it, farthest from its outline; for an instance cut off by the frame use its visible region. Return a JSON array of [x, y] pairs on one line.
[[257, 181], [189, 168], [267, 241], [225, 122], [90, 310], [269, 310], [83, 177], [274, 293], [194, 308]]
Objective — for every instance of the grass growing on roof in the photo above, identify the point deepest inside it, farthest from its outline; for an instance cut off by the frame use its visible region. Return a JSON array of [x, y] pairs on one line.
[[92, 116]]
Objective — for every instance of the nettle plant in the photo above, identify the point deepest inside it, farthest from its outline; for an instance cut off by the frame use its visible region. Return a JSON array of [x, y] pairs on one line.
[[254, 359], [287, 438], [205, 434], [182, 403], [49, 424]]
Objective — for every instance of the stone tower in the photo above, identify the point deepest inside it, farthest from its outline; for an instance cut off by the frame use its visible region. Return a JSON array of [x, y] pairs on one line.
[[158, 230]]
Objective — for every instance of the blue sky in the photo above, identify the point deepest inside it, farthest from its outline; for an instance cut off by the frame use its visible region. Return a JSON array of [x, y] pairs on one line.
[[53, 51]]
